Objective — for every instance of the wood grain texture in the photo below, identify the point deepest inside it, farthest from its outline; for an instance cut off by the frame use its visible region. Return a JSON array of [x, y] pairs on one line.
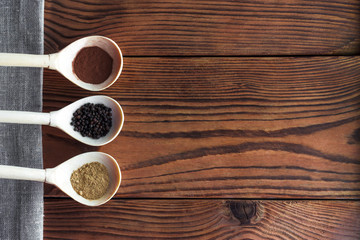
[[228, 127], [209, 28], [202, 219]]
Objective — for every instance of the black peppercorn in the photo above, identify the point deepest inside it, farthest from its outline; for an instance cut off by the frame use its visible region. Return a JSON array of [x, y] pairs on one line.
[[92, 120]]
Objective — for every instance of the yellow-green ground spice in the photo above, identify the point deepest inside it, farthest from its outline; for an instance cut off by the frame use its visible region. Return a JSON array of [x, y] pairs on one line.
[[91, 180]]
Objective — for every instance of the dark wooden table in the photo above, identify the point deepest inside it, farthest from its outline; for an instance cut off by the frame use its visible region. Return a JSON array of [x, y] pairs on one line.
[[242, 119]]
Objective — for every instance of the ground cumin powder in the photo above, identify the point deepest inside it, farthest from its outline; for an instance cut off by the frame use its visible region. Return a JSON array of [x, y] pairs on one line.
[[91, 180]]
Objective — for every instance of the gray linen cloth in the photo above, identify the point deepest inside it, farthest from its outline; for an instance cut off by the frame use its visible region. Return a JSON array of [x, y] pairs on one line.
[[21, 202]]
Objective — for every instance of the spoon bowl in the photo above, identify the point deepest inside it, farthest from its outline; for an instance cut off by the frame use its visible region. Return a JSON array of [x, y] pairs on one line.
[[63, 61], [60, 176], [62, 118]]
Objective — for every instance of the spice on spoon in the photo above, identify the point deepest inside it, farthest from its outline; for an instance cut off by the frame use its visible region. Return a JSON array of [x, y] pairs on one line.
[[93, 65], [92, 120], [91, 180]]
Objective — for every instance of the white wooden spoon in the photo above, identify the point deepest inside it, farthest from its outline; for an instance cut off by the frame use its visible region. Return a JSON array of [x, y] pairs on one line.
[[62, 119], [63, 61], [60, 175]]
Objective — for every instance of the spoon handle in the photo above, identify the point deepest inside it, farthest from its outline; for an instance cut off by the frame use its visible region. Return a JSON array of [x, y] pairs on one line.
[[24, 60], [24, 117], [22, 173]]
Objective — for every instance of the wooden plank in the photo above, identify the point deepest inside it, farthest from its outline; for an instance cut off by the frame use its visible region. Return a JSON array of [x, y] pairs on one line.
[[209, 28], [228, 127], [202, 219]]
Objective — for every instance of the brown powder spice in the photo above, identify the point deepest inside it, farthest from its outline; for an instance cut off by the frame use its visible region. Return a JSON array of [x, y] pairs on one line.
[[91, 180], [93, 65]]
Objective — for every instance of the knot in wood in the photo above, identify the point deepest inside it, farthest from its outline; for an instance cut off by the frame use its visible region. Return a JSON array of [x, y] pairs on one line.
[[355, 137], [244, 211]]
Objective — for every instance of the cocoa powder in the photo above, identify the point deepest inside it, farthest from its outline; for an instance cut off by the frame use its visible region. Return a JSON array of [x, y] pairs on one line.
[[92, 65]]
